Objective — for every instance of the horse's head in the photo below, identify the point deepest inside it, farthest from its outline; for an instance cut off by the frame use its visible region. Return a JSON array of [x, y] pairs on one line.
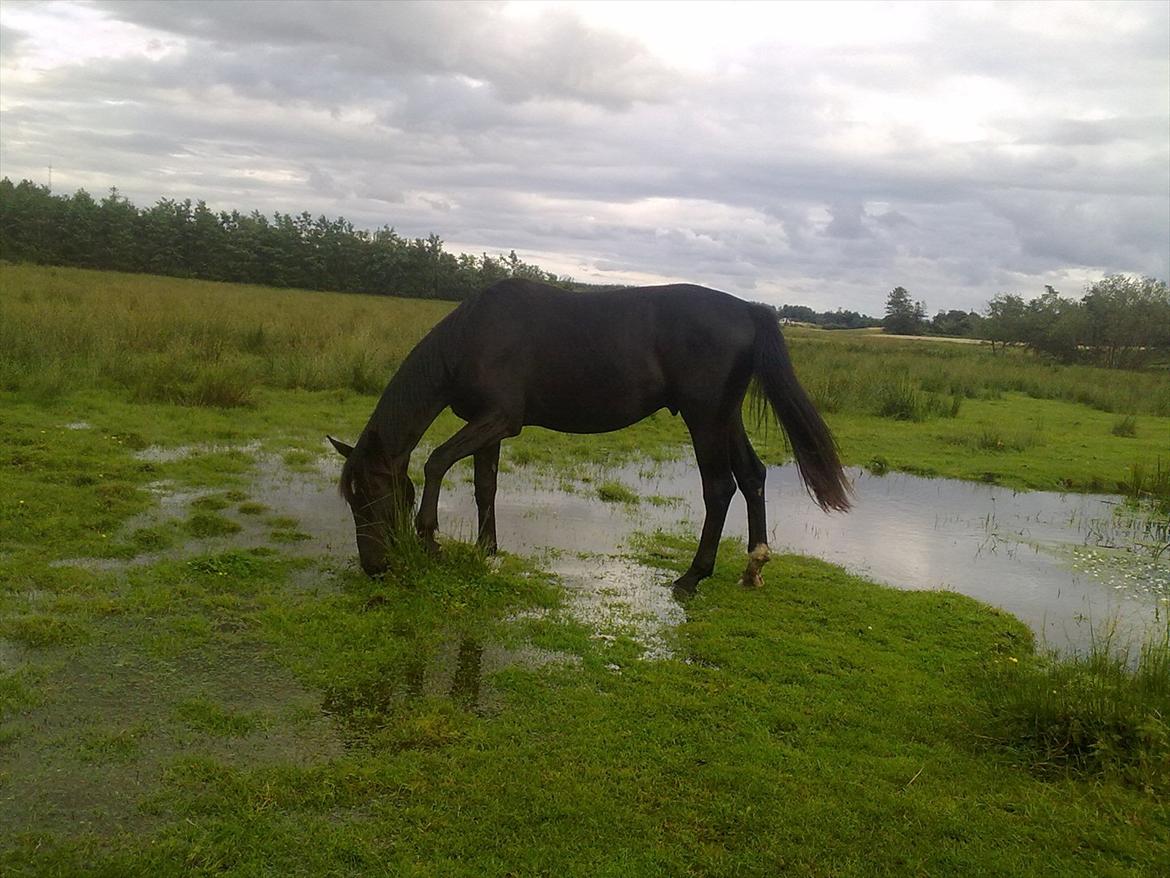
[[380, 496]]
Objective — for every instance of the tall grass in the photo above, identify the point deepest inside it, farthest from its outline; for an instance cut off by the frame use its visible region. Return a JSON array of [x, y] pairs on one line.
[[846, 371], [207, 343], [1105, 711], [195, 342], [1150, 486]]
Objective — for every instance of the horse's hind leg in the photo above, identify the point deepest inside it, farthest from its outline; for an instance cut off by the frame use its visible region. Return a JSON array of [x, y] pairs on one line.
[[750, 473], [487, 465], [713, 456]]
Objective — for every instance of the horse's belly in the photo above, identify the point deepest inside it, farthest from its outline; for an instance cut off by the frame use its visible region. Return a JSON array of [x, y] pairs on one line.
[[583, 418]]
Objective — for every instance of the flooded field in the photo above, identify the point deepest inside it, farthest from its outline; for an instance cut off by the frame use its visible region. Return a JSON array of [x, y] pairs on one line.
[[1069, 565]]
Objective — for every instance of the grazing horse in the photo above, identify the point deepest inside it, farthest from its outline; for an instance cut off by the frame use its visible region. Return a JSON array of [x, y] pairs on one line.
[[520, 353]]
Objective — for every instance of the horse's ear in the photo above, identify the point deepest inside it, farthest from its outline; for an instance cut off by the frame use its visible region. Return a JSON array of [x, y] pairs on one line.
[[342, 449]]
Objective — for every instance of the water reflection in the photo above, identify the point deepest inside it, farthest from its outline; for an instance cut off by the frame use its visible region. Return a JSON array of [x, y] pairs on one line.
[[459, 668], [1022, 551]]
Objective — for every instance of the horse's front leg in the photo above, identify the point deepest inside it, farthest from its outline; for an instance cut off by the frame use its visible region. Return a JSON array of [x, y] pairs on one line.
[[487, 467], [473, 436], [711, 453]]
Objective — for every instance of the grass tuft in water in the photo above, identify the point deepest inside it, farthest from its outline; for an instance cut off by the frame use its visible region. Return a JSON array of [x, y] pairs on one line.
[[207, 716], [1150, 485], [616, 492], [41, 630], [210, 524]]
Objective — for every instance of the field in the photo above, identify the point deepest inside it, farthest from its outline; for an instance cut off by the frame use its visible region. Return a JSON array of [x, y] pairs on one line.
[[213, 692]]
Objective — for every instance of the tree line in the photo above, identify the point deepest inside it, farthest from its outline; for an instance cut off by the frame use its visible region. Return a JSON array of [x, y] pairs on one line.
[[838, 319], [185, 239], [1120, 321]]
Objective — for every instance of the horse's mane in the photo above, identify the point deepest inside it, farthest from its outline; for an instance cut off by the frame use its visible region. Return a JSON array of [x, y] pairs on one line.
[[421, 377]]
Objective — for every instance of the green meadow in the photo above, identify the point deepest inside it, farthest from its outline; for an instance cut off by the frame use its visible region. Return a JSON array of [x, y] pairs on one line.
[[206, 693]]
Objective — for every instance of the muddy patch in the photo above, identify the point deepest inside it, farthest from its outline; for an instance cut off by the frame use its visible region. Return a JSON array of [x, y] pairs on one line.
[[112, 720]]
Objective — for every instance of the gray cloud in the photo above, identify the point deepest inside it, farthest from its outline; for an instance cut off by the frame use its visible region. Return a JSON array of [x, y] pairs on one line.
[[561, 58], [826, 176], [10, 40]]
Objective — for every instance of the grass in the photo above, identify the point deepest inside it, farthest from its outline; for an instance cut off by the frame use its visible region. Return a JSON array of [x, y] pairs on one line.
[[1125, 426], [616, 492], [258, 709], [1106, 711], [74, 336], [194, 342], [844, 370]]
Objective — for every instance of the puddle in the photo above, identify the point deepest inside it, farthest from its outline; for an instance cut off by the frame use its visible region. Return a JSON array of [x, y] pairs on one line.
[[615, 595], [1063, 563], [1038, 555], [460, 670], [170, 454], [98, 748]]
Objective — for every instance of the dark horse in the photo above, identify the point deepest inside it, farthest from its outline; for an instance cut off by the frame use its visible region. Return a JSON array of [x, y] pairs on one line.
[[521, 353]]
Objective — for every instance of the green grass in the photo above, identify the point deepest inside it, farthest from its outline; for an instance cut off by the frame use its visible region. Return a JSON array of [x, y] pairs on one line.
[[822, 725], [254, 711], [616, 492], [195, 343], [72, 335], [1106, 711]]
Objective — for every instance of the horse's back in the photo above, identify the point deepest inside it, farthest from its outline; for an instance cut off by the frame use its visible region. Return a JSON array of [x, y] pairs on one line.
[[597, 361]]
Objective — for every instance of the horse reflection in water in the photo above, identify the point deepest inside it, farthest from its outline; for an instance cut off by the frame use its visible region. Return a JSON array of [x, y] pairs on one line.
[[522, 353]]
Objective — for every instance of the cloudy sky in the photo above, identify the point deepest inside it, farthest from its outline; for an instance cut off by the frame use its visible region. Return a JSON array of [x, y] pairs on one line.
[[817, 154]]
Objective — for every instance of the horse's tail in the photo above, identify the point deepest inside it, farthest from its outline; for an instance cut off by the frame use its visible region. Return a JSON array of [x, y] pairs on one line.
[[812, 443]]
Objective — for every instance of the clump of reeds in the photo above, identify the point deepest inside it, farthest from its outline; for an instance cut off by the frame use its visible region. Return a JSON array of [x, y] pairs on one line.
[[902, 400], [1125, 427], [1150, 485]]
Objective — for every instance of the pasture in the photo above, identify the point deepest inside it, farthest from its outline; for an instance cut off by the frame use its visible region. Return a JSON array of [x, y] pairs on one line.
[[195, 680]]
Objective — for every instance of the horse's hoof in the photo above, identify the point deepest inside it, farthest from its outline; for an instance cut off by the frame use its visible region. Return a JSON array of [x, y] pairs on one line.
[[751, 579], [757, 558], [685, 587]]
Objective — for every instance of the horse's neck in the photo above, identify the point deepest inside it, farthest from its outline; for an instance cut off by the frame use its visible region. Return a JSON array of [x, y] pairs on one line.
[[412, 400]]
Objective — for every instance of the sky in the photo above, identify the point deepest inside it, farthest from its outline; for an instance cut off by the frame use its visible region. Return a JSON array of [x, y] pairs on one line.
[[815, 154]]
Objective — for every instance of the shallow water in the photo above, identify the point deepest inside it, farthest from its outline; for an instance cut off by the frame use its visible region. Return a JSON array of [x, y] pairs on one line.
[[1066, 564]]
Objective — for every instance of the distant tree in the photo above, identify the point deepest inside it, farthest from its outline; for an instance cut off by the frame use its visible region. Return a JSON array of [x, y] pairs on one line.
[[1005, 321], [903, 316], [962, 324], [1120, 321], [1126, 318], [798, 313], [1054, 325]]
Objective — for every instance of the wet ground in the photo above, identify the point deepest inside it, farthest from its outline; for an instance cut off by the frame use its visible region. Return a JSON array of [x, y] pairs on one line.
[[94, 752], [1067, 564]]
